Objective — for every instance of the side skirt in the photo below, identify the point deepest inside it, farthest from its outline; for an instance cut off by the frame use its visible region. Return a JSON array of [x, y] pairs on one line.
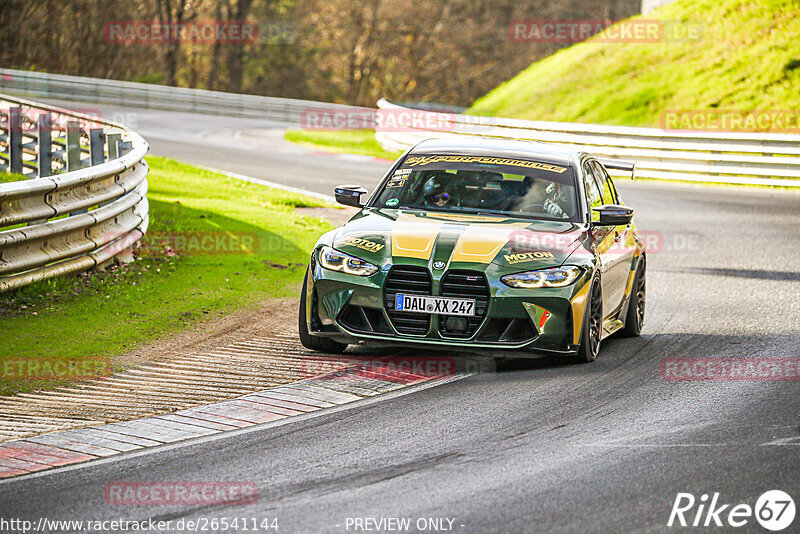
[[610, 326]]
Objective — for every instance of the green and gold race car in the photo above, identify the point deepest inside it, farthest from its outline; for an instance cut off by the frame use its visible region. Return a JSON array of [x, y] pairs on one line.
[[480, 244]]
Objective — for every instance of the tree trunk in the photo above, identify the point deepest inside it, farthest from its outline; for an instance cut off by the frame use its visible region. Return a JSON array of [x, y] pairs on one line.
[[213, 70], [172, 48], [236, 50]]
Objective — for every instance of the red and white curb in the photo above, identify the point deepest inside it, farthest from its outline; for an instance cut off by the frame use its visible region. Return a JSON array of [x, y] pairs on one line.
[[46, 451]]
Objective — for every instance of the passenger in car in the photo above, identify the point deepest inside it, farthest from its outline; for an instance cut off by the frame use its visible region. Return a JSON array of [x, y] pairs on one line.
[[542, 196]]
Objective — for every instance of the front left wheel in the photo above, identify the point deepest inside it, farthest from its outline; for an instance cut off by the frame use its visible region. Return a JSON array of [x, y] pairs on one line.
[[320, 344], [592, 330]]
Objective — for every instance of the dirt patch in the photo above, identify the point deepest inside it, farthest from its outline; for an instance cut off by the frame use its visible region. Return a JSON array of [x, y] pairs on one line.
[[274, 316], [225, 358]]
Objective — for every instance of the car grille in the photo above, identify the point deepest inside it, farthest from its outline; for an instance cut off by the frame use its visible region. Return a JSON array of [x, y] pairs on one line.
[[408, 280], [465, 284]]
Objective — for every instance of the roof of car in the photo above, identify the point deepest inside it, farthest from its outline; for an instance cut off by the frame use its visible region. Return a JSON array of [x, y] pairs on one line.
[[482, 146]]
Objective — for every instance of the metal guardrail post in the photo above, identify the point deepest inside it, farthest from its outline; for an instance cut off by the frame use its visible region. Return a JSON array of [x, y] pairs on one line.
[[15, 139], [45, 153], [104, 202], [96, 146], [112, 140], [4, 137], [73, 145]]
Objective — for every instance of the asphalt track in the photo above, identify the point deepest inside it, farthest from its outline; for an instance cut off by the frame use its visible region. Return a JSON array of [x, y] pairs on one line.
[[535, 446]]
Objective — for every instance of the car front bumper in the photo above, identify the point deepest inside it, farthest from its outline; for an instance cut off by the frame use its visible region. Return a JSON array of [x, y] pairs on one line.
[[351, 309]]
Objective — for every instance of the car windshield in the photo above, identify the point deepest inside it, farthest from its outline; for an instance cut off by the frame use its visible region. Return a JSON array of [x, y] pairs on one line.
[[482, 185]]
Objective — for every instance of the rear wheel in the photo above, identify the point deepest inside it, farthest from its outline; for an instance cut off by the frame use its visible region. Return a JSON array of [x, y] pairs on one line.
[[634, 318], [320, 344], [592, 325]]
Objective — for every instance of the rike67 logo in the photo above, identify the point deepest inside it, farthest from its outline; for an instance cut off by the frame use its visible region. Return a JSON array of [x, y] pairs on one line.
[[774, 510]]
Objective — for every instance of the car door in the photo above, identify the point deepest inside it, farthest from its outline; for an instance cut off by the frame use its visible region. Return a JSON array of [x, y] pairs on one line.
[[603, 237], [618, 257]]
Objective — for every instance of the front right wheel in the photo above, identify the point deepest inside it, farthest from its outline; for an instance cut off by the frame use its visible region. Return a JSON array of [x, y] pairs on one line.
[[634, 319]]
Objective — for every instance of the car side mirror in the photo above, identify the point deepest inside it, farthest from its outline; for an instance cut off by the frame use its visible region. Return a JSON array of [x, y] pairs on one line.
[[349, 195], [613, 215]]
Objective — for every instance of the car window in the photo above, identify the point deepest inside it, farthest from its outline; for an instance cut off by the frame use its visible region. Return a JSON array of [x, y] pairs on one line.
[[490, 185], [606, 187], [593, 196]]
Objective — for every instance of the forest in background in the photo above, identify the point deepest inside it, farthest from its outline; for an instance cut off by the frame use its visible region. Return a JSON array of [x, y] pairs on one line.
[[346, 51]]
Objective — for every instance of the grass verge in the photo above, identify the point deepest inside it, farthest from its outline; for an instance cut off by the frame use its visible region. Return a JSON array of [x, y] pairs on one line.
[[748, 59], [258, 249], [8, 177], [345, 141]]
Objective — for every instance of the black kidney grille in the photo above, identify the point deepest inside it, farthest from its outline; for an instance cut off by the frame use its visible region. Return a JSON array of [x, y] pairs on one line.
[[466, 284], [408, 280]]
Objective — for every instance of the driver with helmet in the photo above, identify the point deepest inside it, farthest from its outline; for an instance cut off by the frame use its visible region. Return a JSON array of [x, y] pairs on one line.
[[439, 192]]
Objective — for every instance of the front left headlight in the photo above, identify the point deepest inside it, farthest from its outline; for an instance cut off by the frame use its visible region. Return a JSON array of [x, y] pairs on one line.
[[556, 277], [334, 260]]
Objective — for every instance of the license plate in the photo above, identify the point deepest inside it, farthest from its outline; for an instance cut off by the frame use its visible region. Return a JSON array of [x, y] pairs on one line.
[[443, 305]]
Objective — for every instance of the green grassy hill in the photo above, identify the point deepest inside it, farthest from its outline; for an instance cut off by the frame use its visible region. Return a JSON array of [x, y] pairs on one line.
[[748, 58]]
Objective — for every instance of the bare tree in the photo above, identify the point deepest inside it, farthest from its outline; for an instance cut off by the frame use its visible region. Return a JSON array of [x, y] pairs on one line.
[[238, 10], [213, 71], [351, 51], [174, 14]]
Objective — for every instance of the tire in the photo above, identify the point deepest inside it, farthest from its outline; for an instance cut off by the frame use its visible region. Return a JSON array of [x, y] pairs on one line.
[[592, 330], [319, 344], [634, 317]]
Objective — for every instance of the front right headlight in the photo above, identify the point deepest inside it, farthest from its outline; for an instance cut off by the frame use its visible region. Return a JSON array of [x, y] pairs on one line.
[[334, 260], [556, 277]]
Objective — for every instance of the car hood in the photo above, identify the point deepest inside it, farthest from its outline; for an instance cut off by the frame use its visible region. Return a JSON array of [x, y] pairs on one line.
[[386, 236]]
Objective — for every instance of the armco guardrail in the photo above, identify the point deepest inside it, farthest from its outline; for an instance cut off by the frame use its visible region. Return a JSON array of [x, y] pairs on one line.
[[84, 197], [734, 158], [145, 95]]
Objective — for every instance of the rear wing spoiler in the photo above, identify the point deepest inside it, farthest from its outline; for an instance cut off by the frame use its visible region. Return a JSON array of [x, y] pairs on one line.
[[619, 165]]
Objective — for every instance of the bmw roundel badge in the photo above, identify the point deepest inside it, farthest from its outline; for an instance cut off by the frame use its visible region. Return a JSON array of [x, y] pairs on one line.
[[438, 265]]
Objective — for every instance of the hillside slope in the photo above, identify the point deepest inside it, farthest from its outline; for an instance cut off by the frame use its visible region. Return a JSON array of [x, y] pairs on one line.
[[748, 58]]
